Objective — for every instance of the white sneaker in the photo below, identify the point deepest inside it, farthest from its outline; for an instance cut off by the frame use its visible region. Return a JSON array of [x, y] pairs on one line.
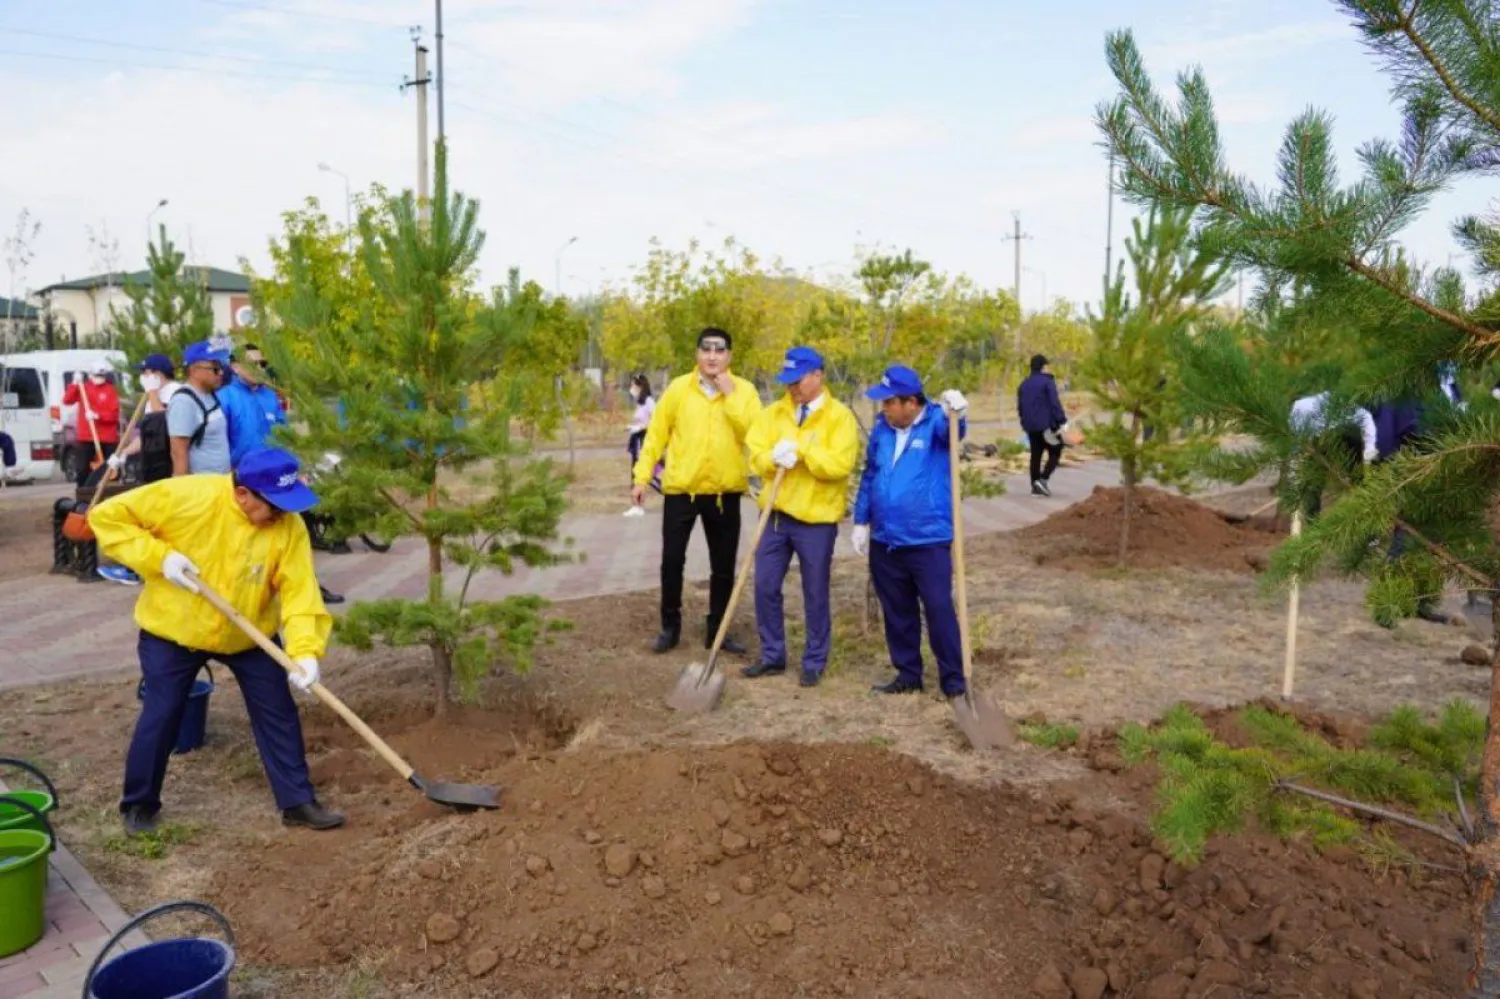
[[635, 511]]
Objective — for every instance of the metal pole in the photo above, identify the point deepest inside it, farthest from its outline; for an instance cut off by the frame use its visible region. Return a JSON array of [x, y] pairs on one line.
[[424, 202], [442, 75]]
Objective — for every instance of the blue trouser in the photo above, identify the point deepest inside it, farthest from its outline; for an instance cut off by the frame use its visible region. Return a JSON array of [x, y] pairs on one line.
[[7, 450], [903, 577], [169, 670], [813, 546]]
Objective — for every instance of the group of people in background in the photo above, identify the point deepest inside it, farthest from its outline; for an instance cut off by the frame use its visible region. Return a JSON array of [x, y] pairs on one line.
[[713, 430]]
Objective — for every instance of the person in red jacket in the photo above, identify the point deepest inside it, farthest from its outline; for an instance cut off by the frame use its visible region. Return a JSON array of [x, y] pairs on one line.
[[98, 415]]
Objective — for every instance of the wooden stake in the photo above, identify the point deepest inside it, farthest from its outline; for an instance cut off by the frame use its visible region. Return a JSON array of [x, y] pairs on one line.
[[1289, 675]]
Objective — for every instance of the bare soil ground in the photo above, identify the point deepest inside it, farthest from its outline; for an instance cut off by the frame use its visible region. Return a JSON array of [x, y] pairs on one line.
[[818, 843], [25, 534]]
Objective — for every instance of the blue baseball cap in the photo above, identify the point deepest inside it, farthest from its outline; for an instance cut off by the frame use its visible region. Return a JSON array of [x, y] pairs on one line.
[[897, 380], [157, 362], [200, 352], [800, 362], [274, 475]]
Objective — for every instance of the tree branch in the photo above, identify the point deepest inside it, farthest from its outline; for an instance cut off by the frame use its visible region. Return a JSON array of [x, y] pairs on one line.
[[1375, 811], [1374, 276], [415, 520], [1408, 27]]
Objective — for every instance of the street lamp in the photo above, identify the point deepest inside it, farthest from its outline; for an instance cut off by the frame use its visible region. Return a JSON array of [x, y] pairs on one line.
[[159, 206], [348, 204], [557, 267]]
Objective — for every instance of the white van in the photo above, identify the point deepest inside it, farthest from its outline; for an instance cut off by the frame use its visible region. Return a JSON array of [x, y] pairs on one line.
[[24, 416], [57, 368]]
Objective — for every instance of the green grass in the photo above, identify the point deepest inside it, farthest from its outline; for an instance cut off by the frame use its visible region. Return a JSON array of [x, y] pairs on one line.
[[1049, 735], [154, 845]]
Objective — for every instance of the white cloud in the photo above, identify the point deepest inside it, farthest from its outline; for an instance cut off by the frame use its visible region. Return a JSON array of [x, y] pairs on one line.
[[1228, 51]]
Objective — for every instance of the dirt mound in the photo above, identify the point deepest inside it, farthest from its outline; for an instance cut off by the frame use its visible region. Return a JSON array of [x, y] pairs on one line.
[[830, 870], [1166, 531]]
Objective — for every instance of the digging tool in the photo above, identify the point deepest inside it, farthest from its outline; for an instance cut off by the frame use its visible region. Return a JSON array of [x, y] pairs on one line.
[[699, 688], [76, 526], [464, 797], [88, 414], [979, 717], [1241, 518]]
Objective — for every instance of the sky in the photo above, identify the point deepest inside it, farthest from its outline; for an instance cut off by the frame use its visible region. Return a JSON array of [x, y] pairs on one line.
[[808, 130]]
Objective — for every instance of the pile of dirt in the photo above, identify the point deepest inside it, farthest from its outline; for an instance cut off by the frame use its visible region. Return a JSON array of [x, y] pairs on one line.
[[830, 870], [1166, 531]]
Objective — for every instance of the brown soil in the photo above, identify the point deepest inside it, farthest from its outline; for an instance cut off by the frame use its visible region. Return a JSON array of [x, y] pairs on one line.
[[25, 530], [773, 870], [1166, 531]]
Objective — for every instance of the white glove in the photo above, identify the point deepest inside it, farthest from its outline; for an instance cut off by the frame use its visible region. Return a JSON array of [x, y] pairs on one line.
[[1052, 436], [175, 568], [309, 675], [784, 454], [116, 462], [955, 401], [1371, 454], [861, 540]]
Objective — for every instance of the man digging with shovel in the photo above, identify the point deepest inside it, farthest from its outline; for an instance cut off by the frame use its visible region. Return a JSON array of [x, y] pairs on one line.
[[233, 532]]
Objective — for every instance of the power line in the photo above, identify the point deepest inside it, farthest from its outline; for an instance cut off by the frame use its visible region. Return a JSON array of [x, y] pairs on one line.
[[295, 12], [118, 63], [196, 53]]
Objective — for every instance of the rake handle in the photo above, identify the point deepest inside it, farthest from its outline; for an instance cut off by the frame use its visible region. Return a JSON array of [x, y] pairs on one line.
[[744, 574], [955, 482], [323, 694], [109, 473]]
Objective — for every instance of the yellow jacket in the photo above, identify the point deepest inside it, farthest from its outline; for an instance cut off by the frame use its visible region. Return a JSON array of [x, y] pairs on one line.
[[266, 573], [816, 491], [704, 438]]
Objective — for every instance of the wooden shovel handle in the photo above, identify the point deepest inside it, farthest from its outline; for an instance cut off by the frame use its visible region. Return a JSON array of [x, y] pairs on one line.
[[88, 414], [323, 694], [955, 481], [109, 473], [744, 573]]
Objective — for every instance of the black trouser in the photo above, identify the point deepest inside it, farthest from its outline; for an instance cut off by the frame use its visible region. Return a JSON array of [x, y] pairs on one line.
[[86, 456], [721, 527], [1054, 454]]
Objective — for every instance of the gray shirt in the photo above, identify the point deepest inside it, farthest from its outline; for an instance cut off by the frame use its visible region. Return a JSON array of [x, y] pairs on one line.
[[185, 416]]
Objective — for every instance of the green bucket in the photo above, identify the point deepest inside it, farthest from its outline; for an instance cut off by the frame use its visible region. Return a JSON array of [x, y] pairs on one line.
[[23, 887], [14, 816]]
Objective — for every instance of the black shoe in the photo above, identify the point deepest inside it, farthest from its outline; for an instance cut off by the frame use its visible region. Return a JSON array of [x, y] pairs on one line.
[[763, 669], [731, 644], [313, 816], [330, 597], [1043, 486], [1036, 488], [139, 820], [340, 548], [1436, 617], [810, 678], [953, 695], [666, 640], [898, 686]]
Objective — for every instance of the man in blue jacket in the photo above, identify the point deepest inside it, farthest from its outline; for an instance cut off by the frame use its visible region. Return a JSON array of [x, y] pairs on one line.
[[903, 519], [1043, 419]]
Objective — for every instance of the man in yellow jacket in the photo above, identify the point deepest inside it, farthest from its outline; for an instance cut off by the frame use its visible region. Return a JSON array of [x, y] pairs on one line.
[[701, 420], [815, 438], [240, 535]]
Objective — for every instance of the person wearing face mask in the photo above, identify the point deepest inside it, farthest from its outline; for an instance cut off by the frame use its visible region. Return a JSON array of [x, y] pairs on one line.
[[239, 534], [98, 405]]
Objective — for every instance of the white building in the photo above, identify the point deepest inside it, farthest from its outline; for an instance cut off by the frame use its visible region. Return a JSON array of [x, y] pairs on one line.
[[82, 311]]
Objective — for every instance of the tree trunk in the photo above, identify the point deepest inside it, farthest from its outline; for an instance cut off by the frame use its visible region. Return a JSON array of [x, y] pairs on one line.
[[1127, 490], [568, 424], [1484, 858], [442, 660], [442, 675]]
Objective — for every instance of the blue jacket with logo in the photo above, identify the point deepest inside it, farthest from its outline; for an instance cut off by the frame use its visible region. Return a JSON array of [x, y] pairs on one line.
[[1038, 404], [908, 501]]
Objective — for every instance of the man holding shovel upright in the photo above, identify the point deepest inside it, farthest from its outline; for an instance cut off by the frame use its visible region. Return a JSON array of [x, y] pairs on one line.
[[240, 535], [98, 405], [815, 439], [903, 519], [702, 418]]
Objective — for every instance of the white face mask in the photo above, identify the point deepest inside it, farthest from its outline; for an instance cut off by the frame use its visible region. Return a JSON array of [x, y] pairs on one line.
[[151, 381], [97, 379]]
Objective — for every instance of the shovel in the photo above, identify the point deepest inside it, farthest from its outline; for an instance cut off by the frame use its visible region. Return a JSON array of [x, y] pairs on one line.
[[76, 526], [979, 717], [699, 688], [464, 797]]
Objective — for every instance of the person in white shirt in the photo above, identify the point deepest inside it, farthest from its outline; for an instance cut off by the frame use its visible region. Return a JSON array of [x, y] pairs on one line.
[[1309, 417], [645, 405]]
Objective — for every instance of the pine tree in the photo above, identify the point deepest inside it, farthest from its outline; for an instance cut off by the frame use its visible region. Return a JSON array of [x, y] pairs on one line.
[[171, 310], [1336, 246], [426, 451], [1131, 371]]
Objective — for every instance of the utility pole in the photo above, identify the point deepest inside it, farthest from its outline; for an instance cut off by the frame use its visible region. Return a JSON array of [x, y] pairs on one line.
[[442, 75], [1016, 289], [419, 83]]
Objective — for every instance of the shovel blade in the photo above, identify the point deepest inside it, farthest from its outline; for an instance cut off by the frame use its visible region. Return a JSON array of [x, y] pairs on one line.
[[464, 797], [982, 721], [696, 692]]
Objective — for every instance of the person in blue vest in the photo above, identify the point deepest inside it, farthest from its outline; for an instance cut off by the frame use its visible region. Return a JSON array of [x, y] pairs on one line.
[[903, 520]]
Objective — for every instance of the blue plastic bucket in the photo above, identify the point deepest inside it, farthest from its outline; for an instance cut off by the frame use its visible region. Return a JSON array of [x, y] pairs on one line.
[[183, 968], [194, 727]]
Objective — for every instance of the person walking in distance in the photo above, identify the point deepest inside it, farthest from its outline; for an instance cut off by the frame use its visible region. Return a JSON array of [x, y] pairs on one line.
[[1043, 420], [239, 534], [903, 520], [645, 405], [98, 403], [815, 439], [702, 418]]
